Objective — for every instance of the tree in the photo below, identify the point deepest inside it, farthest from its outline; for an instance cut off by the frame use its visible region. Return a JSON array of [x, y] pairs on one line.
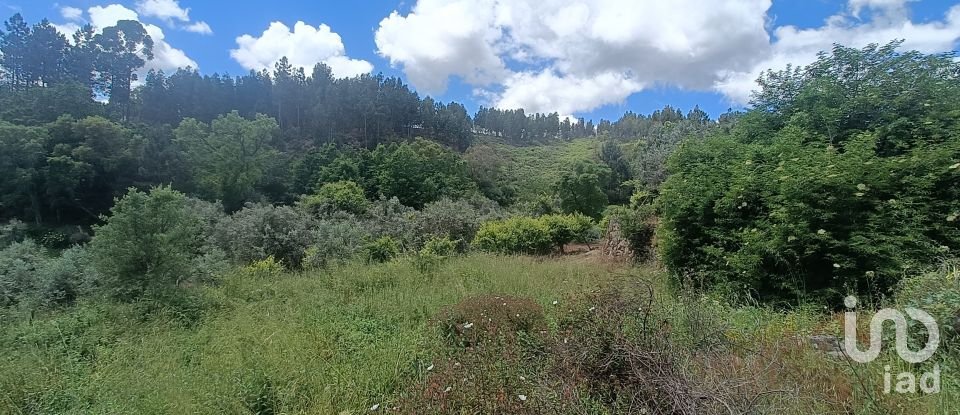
[[147, 244], [230, 156], [344, 196], [21, 165], [420, 172], [14, 40], [123, 49], [580, 190]]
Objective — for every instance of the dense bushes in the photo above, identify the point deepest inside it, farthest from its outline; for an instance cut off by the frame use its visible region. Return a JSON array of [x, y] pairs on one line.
[[787, 207], [346, 196], [148, 243], [536, 236], [257, 232]]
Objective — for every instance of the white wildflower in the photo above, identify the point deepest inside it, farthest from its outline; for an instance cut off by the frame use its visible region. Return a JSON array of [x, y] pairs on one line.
[[952, 217], [821, 232], [862, 187], [835, 265], [429, 368], [592, 308], [555, 302], [375, 407], [955, 166], [522, 397], [448, 389], [468, 325]]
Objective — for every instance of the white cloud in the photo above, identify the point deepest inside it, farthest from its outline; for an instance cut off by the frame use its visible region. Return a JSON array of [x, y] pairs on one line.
[[304, 46], [888, 21], [199, 27], [167, 10], [547, 92], [165, 57], [443, 38], [71, 13], [530, 53]]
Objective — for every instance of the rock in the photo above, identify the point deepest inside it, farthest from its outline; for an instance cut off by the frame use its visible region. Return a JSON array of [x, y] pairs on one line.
[[827, 344], [614, 245]]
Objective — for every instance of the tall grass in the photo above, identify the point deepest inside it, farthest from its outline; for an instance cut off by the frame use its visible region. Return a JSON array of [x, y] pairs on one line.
[[318, 342]]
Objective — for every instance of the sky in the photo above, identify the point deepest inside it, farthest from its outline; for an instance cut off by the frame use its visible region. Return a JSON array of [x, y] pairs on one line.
[[587, 58]]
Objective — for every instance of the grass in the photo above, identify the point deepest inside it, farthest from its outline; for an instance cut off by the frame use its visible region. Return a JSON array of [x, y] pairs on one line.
[[536, 168], [320, 342], [344, 340]]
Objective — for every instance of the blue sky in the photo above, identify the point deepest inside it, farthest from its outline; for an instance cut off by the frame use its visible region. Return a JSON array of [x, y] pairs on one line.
[[617, 55]]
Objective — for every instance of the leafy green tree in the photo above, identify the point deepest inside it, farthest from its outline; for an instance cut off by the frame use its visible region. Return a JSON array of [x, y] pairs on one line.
[[21, 166], [842, 180], [420, 172], [581, 189], [344, 196], [147, 244], [230, 156], [14, 41]]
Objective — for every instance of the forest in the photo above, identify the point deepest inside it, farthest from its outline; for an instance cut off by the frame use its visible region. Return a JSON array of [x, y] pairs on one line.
[[292, 242]]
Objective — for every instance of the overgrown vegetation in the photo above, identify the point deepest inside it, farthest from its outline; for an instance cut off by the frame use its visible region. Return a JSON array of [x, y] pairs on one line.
[[285, 243]]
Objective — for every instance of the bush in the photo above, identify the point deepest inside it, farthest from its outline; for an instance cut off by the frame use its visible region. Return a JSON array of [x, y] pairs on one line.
[[565, 229], [148, 243], [454, 219], [517, 235], [258, 232], [340, 237], [837, 175], [637, 226], [381, 250], [345, 196], [19, 264], [12, 232], [388, 217], [62, 280]]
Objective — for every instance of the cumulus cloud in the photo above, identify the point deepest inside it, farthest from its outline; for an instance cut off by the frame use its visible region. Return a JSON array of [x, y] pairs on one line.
[[167, 10], [71, 13], [304, 46], [199, 27], [165, 57], [533, 53], [888, 21]]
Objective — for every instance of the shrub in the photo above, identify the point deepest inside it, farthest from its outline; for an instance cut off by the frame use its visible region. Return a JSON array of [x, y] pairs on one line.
[[12, 232], [345, 196], [454, 219], [637, 226], [388, 217], [383, 249], [62, 280], [147, 244], [258, 232], [838, 174], [337, 238], [19, 264], [517, 235]]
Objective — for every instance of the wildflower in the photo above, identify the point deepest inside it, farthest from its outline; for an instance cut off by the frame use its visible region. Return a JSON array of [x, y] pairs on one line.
[[821, 232], [555, 302], [791, 238], [448, 389], [375, 407], [859, 194], [869, 274], [955, 166], [952, 217], [522, 378], [429, 368], [522, 397], [861, 186], [592, 308], [836, 265], [468, 325]]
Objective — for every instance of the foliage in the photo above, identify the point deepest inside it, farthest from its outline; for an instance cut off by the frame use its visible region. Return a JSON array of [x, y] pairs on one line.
[[565, 229], [147, 244], [789, 207], [457, 220], [382, 249], [516, 235], [337, 239], [637, 225], [345, 196], [580, 190], [258, 232], [420, 172], [230, 155]]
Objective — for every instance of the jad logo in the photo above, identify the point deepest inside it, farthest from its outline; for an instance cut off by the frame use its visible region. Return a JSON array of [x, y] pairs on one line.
[[906, 382]]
